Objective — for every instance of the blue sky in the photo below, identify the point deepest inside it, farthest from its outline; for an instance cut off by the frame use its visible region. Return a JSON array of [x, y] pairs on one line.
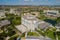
[[29, 2]]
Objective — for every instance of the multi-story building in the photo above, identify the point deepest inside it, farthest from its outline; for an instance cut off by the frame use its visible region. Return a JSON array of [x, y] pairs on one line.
[[30, 21]]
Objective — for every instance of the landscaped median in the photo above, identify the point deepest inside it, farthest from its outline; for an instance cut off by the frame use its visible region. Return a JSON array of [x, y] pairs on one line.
[[14, 37], [40, 32], [47, 33], [32, 34], [50, 34]]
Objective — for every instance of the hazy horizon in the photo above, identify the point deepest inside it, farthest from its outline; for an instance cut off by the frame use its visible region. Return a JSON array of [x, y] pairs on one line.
[[29, 2]]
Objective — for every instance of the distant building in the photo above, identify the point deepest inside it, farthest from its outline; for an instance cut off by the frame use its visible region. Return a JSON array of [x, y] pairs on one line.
[[2, 14], [51, 13], [14, 11], [4, 23]]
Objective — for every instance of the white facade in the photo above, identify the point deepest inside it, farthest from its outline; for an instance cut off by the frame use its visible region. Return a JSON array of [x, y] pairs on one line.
[[30, 21]]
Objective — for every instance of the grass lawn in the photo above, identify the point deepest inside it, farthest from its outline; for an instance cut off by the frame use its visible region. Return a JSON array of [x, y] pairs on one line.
[[53, 29], [23, 35], [50, 34], [32, 34], [59, 37], [58, 33], [40, 32], [16, 21], [42, 17]]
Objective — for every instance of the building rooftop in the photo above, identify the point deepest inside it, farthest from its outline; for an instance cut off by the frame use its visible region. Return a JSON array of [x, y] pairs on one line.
[[4, 22], [44, 25], [21, 28], [31, 18]]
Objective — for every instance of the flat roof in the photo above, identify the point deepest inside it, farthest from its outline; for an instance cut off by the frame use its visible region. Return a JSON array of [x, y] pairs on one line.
[[30, 17], [4, 22], [21, 28]]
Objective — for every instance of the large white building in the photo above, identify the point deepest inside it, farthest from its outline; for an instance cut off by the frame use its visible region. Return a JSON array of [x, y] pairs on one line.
[[30, 21]]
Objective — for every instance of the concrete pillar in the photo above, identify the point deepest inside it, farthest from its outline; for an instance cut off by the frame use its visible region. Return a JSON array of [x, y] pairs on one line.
[[26, 34], [57, 37]]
